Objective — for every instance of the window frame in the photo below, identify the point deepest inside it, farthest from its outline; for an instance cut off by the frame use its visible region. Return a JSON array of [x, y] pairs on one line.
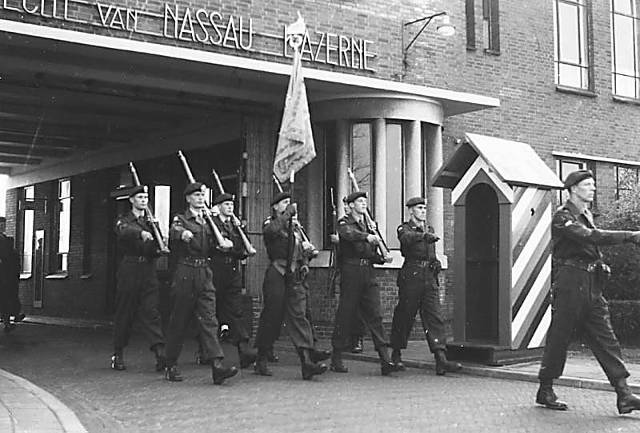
[[63, 206], [585, 48], [635, 17], [28, 196], [491, 26], [617, 176]]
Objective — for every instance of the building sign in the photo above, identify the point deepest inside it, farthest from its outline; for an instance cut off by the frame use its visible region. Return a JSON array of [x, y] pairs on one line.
[[201, 26]]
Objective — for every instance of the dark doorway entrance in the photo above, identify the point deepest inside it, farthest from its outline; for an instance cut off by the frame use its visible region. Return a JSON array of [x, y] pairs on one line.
[[482, 220]]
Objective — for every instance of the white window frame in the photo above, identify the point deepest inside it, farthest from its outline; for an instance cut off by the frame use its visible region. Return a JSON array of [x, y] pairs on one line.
[[616, 71], [583, 62]]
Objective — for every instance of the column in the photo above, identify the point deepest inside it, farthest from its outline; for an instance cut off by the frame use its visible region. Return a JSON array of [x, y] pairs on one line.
[[413, 159], [435, 197], [343, 138], [379, 184]]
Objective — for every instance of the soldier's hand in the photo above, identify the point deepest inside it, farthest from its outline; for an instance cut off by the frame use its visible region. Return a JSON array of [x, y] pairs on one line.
[[146, 236], [304, 271], [226, 244], [334, 238], [186, 236], [388, 258], [373, 239]]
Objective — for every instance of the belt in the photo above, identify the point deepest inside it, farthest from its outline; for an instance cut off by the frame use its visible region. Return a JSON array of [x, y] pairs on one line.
[[597, 266], [224, 260], [136, 259], [196, 262], [356, 261], [418, 262]]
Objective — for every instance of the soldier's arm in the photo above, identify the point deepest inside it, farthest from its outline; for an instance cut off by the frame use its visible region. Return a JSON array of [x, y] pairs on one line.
[[566, 225], [126, 230], [351, 232], [408, 237]]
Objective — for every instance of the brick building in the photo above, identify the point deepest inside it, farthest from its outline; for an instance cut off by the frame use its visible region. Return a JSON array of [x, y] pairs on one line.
[[88, 86]]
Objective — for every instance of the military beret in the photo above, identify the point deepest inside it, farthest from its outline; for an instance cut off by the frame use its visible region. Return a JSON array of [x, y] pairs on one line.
[[355, 196], [193, 187], [279, 197], [576, 177], [138, 189], [223, 197], [415, 200]]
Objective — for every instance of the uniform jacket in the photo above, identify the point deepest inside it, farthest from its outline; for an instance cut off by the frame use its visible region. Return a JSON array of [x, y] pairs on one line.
[[415, 243], [128, 229], [353, 240], [202, 243], [230, 231], [575, 236]]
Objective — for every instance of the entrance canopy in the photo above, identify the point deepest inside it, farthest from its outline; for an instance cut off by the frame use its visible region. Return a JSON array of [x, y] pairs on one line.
[[67, 95]]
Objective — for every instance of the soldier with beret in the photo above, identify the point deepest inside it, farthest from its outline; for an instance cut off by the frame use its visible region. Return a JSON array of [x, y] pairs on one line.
[[358, 290], [194, 296], [418, 288], [228, 281], [137, 282], [9, 281], [285, 296], [577, 301]]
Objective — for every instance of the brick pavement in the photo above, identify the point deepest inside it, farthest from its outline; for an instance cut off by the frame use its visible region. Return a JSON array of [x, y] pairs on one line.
[[72, 364]]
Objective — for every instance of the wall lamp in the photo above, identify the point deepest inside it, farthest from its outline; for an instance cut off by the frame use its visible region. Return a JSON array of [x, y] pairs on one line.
[[445, 28]]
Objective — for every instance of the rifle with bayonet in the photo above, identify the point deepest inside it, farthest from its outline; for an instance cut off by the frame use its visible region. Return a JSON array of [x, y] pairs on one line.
[[153, 222], [335, 245]]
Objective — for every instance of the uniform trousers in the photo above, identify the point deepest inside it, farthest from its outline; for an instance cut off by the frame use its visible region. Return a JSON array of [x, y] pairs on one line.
[[578, 305], [228, 284], [358, 291], [282, 303], [417, 292], [194, 297], [137, 294]]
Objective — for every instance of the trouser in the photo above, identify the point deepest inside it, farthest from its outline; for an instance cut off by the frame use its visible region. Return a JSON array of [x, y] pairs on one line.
[[228, 284], [137, 294], [282, 303], [358, 291], [194, 297], [578, 305], [417, 291]]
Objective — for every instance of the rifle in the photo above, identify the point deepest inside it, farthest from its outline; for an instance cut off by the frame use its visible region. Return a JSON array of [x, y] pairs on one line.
[[371, 224], [207, 213], [245, 240], [333, 257], [153, 222]]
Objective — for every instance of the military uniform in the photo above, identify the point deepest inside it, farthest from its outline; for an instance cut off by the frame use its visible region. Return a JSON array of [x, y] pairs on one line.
[[417, 288], [9, 283], [285, 295], [192, 289], [578, 304], [138, 287]]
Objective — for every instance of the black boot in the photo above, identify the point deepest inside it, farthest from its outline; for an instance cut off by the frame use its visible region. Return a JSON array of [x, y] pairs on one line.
[[396, 358], [8, 326], [261, 367], [386, 366], [548, 398], [310, 368], [172, 374], [220, 373], [319, 355], [336, 362], [271, 356], [117, 361], [443, 366], [158, 351], [627, 401], [246, 355], [357, 345]]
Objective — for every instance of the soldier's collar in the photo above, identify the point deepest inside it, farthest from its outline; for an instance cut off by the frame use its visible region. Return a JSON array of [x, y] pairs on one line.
[[571, 207], [192, 215]]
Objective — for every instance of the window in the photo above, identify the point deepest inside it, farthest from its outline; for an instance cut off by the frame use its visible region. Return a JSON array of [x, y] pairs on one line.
[[491, 25], [27, 230], [624, 39], [361, 158], [571, 41], [471, 24], [566, 166], [626, 181], [64, 224]]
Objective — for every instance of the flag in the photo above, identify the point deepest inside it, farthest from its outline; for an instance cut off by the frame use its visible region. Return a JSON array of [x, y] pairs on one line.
[[295, 147]]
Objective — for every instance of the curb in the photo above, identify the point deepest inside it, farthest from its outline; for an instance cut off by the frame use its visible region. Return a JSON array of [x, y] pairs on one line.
[[68, 420], [491, 372]]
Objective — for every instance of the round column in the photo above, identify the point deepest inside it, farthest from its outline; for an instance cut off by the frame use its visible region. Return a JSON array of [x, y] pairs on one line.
[[379, 138]]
